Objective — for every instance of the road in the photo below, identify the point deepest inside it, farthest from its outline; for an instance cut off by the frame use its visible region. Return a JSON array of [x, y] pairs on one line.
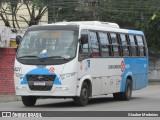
[[147, 99]]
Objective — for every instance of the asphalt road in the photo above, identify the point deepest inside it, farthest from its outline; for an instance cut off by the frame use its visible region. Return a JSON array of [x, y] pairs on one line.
[[147, 99]]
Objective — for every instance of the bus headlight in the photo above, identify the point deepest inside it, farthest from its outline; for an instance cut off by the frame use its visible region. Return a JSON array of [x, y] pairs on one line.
[[64, 76], [20, 87], [60, 88]]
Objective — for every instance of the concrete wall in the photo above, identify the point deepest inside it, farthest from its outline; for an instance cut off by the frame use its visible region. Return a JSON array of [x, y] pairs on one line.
[[154, 69]]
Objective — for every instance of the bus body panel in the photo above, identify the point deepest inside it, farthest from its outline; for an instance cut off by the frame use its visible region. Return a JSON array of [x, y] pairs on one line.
[[64, 84], [80, 82], [105, 72], [138, 72]]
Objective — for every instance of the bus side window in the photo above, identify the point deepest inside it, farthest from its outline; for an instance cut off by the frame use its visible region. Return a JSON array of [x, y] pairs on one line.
[[145, 47], [125, 48], [115, 44], [140, 45], [84, 45], [133, 45], [94, 44], [104, 42]]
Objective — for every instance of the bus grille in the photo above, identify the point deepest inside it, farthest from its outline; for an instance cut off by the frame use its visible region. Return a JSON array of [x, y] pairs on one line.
[[46, 79]]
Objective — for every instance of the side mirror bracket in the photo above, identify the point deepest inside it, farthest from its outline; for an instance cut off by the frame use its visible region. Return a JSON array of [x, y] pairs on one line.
[[84, 39], [18, 39]]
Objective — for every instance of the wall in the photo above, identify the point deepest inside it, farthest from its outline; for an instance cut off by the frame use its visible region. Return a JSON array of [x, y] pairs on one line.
[[154, 69], [7, 56]]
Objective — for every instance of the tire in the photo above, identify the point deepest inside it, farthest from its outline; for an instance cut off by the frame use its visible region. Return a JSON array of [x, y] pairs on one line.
[[83, 99], [125, 95], [128, 91], [29, 100]]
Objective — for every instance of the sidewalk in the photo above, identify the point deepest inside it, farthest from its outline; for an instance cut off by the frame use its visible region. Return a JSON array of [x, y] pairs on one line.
[[9, 98]]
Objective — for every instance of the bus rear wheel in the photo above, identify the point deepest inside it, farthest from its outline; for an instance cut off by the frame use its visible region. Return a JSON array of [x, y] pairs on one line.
[[29, 100], [124, 95], [83, 99]]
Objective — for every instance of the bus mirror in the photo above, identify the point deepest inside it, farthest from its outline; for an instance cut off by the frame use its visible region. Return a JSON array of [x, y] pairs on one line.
[[18, 39], [84, 39]]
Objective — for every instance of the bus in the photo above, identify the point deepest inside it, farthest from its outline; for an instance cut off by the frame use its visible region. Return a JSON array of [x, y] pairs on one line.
[[80, 60]]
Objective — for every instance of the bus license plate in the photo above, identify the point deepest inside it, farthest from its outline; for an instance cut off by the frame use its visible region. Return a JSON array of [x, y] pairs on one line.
[[39, 83]]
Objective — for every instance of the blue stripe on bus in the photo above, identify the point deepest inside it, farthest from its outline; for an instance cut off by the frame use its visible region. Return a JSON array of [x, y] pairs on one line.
[[137, 69], [40, 71], [136, 32]]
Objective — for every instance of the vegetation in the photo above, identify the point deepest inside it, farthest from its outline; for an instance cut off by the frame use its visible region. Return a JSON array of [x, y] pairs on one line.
[[135, 14], [131, 14], [10, 8]]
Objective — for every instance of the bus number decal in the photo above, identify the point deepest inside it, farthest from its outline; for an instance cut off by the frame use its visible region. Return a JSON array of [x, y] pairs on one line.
[[114, 66]]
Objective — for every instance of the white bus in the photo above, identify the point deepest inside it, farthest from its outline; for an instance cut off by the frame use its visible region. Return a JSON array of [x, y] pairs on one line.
[[80, 60]]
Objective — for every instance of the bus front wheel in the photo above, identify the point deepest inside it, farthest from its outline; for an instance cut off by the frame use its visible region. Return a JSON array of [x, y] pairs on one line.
[[83, 99], [124, 95], [29, 100]]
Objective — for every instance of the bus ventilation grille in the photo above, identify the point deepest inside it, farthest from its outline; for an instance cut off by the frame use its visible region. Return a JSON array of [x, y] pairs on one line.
[[40, 82]]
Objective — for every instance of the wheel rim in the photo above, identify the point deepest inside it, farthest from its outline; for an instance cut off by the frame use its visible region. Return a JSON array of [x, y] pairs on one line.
[[84, 94], [129, 91]]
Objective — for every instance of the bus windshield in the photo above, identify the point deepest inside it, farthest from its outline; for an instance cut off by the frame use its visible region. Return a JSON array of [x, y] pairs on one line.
[[48, 44]]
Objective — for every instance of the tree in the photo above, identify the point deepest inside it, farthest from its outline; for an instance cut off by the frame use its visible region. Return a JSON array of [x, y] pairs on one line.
[[59, 10], [36, 5], [89, 9], [10, 8], [134, 15], [73, 10], [127, 13]]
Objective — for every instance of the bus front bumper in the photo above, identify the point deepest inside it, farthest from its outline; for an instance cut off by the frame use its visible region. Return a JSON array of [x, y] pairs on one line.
[[23, 90]]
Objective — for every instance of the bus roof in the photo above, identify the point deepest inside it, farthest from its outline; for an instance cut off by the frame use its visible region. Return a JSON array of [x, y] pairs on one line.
[[135, 32], [98, 25], [95, 25]]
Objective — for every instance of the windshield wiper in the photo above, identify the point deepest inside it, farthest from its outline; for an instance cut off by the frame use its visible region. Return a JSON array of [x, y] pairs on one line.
[[56, 57], [42, 59], [30, 56]]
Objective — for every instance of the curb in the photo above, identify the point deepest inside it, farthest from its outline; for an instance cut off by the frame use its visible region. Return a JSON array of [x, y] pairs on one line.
[[9, 98], [153, 82]]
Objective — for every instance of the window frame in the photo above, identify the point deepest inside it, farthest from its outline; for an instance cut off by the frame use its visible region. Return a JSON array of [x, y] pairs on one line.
[[117, 45], [135, 46], [82, 56], [127, 45], [141, 46], [107, 45], [94, 53]]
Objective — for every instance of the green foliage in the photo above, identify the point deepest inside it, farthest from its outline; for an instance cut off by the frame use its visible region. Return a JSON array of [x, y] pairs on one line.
[[129, 14], [9, 8], [134, 15]]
